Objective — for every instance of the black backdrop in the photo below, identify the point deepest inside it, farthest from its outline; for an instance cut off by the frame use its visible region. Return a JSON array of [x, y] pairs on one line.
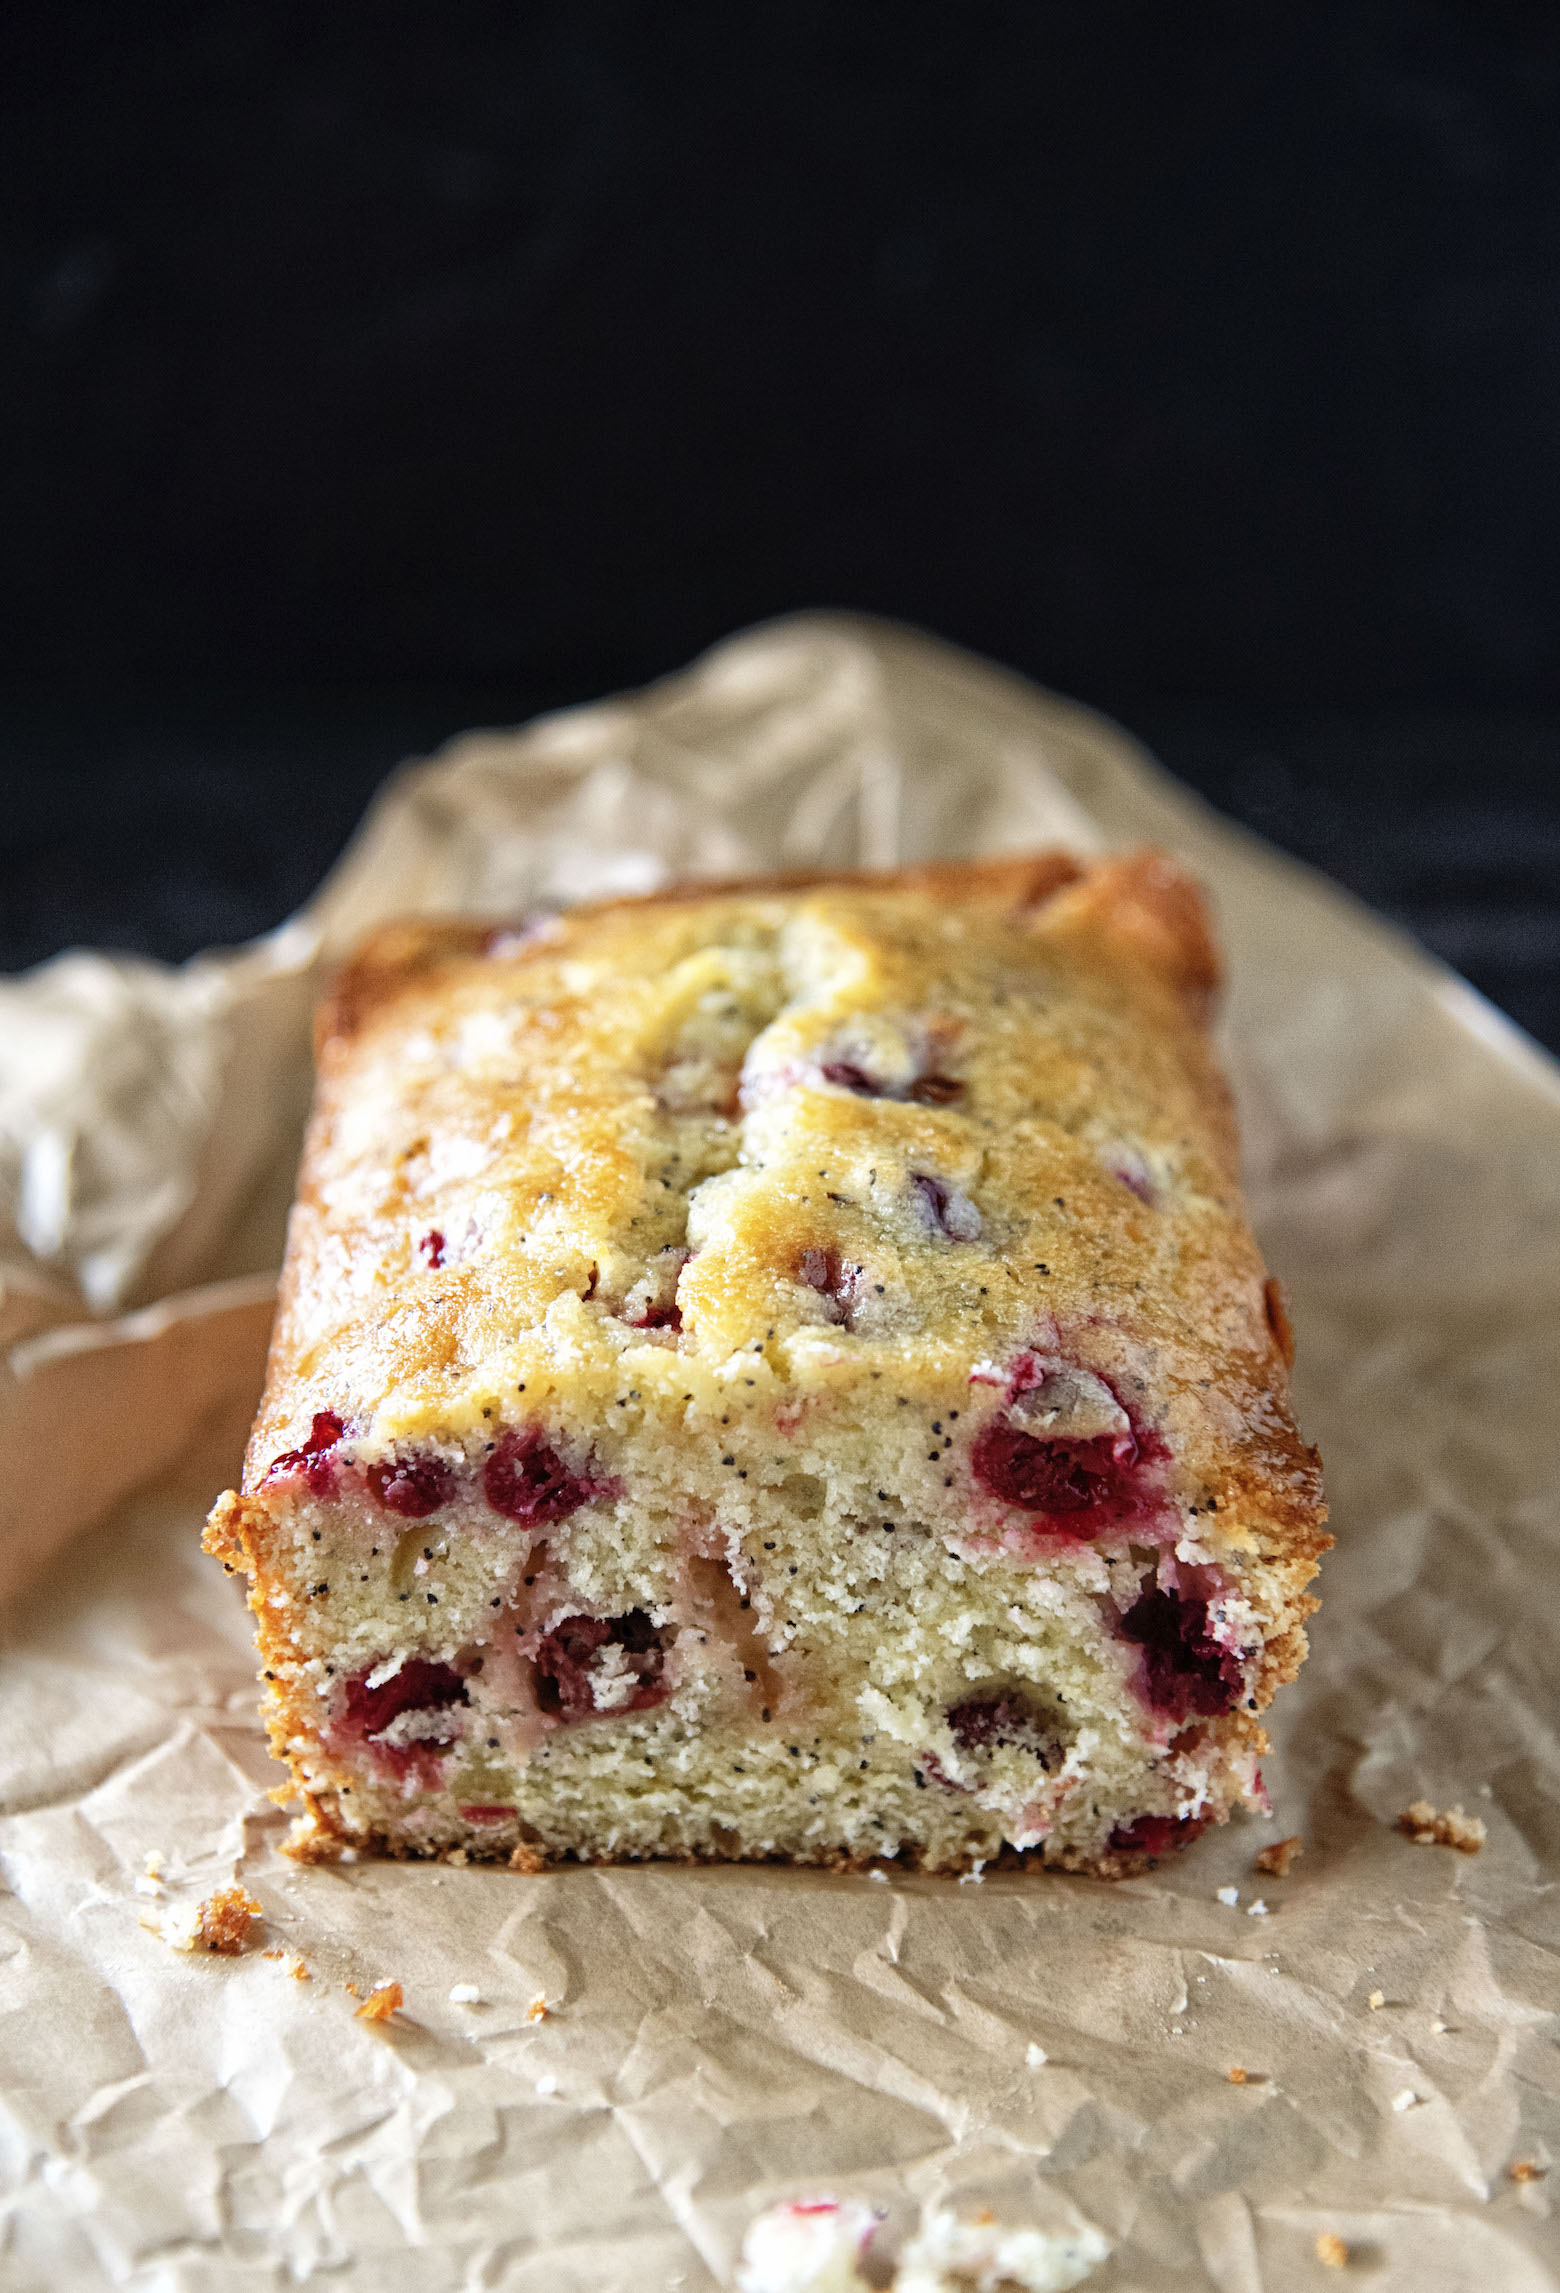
[[366, 370]]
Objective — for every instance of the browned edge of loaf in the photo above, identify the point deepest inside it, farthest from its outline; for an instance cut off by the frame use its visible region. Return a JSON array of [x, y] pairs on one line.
[[1143, 898]]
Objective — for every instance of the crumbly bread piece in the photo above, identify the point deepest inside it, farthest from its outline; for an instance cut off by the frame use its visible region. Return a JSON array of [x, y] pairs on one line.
[[1427, 1826], [779, 1370]]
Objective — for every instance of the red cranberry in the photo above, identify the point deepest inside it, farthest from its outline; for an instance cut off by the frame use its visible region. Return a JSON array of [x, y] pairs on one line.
[[421, 1685], [413, 1486], [936, 1091], [847, 1076], [654, 1317], [431, 1248], [526, 1480], [945, 1209], [315, 1463], [926, 1090], [652, 1302], [986, 1722], [835, 1280], [484, 1814], [1185, 1670], [1157, 1834], [564, 1680], [1082, 1486]]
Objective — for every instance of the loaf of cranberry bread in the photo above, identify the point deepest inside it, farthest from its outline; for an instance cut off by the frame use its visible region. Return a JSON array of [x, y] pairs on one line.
[[779, 1370]]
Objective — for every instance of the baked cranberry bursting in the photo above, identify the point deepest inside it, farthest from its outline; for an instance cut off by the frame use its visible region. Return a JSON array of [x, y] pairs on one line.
[[946, 1210], [838, 1283], [1078, 1478], [1184, 1670], [925, 1091], [526, 1480], [414, 1487], [1158, 1834], [1082, 1486], [988, 1724], [568, 1678], [315, 1463], [375, 1701]]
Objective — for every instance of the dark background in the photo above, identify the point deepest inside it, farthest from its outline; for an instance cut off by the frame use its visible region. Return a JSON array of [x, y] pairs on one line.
[[366, 372]]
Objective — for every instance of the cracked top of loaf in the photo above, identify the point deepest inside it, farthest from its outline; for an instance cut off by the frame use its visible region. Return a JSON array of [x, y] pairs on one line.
[[756, 1147]]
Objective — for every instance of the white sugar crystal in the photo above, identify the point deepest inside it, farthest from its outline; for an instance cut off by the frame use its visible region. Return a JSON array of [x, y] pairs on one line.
[[1257, 1910], [465, 1994], [547, 2085], [1229, 1895], [1036, 2057], [1405, 2100]]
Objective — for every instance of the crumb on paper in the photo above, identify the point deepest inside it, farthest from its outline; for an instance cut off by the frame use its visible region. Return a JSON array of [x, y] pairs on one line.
[[465, 1994], [1406, 2100], [1376, 2000], [1526, 2170], [459, 1857], [1236, 2075], [1229, 1896], [219, 1923], [1331, 2250], [1273, 1862], [538, 2010], [1257, 1910], [384, 2000], [1036, 2056], [1421, 1823], [813, 2245], [975, 1874], [880, 1876], [547, 2084], [948, 2255]]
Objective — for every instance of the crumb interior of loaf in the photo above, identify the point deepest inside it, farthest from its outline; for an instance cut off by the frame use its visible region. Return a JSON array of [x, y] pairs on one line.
[[838, 1672]]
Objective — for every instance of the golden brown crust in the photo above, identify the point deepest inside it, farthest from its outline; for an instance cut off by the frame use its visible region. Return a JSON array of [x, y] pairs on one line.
[[399, 954], [1133, 930]]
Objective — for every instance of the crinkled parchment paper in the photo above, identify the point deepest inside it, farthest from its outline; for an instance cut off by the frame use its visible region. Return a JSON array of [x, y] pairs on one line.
[[718, 2039]]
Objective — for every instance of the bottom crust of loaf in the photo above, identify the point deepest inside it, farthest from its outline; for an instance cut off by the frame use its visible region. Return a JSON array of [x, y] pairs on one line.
[[312, 1839]]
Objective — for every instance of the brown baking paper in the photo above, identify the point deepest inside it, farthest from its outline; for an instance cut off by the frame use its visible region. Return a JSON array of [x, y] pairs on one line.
[[1053, 2048]]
